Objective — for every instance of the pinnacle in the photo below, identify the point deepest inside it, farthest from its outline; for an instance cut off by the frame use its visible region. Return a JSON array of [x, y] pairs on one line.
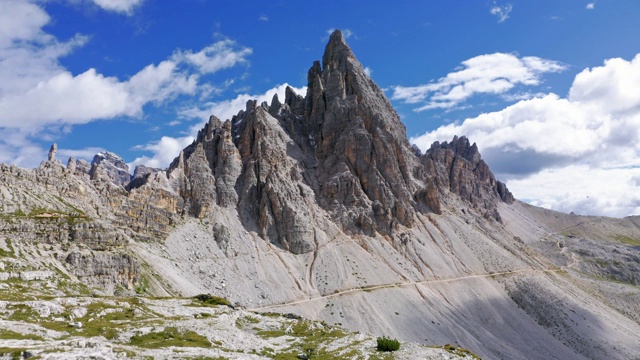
[[336, 50]]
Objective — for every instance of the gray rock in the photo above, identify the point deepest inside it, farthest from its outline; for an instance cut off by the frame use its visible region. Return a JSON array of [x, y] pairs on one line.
[[142, 171], [365, 162], [52, 152], [71, 165], [83, 167], [114, 167], [35, 275], [458, 167]]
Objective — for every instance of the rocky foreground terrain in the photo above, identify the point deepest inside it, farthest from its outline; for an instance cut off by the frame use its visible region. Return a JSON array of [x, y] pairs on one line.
[[316, 207]]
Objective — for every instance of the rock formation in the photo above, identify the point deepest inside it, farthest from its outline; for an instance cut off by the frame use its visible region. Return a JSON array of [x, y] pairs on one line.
[[318, 205], [458, 166], [342, 147], [52, 152], [71, 165], [113, 166]]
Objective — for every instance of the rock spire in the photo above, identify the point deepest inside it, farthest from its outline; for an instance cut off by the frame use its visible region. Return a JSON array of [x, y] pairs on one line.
[[52, 152]]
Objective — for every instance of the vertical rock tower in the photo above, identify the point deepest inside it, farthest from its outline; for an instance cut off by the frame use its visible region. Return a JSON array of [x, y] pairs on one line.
[[339, 154]]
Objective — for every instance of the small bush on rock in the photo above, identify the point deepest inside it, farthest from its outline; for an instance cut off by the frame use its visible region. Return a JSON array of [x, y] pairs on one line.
[[212, 300], [386, 344]]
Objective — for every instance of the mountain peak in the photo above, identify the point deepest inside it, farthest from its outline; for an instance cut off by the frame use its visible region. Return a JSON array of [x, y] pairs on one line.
[[336, 51]]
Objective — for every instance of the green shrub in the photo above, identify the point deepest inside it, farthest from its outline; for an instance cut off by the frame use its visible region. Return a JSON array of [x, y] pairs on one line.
[[212, 300], [386, 344]]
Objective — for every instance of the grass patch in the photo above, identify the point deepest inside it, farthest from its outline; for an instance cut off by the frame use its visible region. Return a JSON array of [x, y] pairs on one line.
[[309, 339], [143, 286], [75, 209], [15, 353], [627, 240], [100, 320], [42, 212], [170, 336], [12, 335], [22, 312], [212, 300]]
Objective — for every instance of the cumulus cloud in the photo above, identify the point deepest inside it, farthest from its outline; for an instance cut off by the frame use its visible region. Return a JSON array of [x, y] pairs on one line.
[[591, 6], [39, 96], [163, 151], [582, 189], [61, 97], [220, 55], [578, 153], [489, 74], [120, 6], [86, 153], [502, 12]]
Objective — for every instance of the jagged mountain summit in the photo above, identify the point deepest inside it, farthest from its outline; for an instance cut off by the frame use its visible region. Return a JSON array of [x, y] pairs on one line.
[[341, 149], [318, 205]]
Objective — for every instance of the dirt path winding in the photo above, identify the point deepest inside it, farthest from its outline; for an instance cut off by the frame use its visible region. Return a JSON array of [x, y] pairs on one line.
[[432, 281], [401, 284]]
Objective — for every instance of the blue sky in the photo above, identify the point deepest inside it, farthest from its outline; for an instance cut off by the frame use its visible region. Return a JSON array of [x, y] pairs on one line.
[[550, 90]]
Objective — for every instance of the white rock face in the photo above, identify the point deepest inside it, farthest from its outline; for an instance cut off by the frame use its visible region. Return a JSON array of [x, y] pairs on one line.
[[35, 275]]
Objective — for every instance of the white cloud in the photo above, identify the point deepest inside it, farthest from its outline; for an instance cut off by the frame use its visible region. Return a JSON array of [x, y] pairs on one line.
[[65, 98], [579, 153], [264, 18], [368, 71], [582, 189], [591, 6], [220, 55], [120, 6], [164, 151], [167, 148], [39, 97], [491, 73], [20, 20], [502, 12], [16, 149]]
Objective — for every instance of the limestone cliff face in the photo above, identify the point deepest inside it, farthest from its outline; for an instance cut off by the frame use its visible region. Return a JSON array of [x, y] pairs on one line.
[[458, 167], [293, 171], [364, 159], [341, 148], [205, 172], [111, 166]]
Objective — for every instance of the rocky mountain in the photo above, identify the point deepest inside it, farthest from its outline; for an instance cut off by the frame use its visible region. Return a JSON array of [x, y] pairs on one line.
[[317, 205]]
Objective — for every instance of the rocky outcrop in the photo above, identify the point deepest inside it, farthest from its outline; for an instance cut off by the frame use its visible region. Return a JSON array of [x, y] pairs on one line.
[[83, 167], [71, 165], [151, 208], [52, 152], [106, 271], [341, 148], [142, 171], [458, 167], [364, 159], [205, 172], [113, 166], [273, 192]]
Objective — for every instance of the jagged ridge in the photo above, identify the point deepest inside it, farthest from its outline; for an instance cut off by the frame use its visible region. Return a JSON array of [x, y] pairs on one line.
[[342, 148]]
